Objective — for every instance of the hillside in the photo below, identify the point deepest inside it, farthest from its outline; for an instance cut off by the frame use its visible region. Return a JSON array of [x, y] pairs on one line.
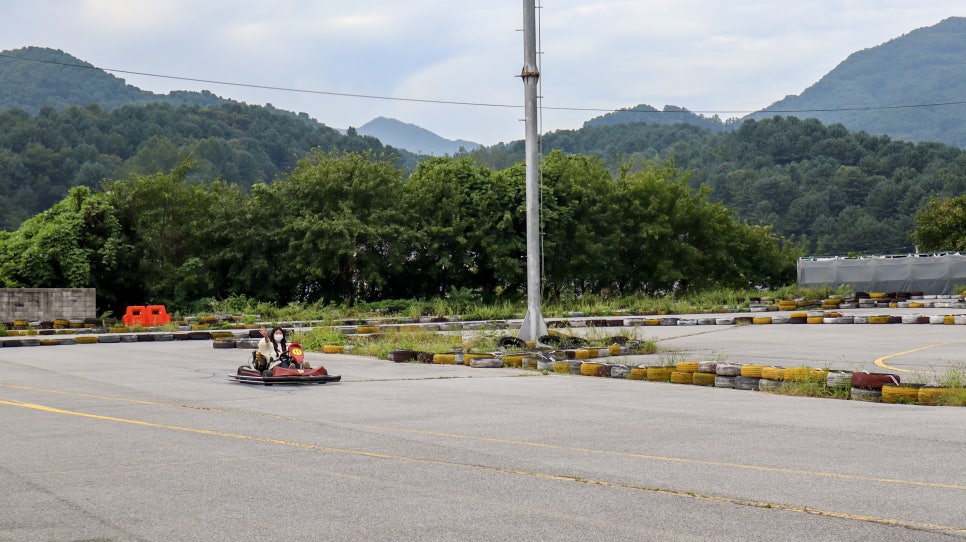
[[35, 77], [413, 138], [669, 115], [875, 89]]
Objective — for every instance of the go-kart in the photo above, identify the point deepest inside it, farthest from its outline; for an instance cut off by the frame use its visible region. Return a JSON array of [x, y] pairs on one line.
[[290, 369]]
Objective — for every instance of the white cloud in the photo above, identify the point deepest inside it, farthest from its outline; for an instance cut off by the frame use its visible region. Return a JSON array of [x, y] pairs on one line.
[[700, 54]]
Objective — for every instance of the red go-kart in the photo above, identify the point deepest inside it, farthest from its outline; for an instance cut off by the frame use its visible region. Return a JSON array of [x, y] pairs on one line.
[[291, 369]]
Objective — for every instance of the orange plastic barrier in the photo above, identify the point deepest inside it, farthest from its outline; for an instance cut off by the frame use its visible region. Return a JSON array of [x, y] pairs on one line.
[[151, 315]]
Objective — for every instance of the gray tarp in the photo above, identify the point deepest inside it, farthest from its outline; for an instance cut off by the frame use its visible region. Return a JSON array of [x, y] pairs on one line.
[[929, 274]]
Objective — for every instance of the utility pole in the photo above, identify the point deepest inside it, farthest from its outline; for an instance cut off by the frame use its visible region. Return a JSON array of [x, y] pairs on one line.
[[533, 326]]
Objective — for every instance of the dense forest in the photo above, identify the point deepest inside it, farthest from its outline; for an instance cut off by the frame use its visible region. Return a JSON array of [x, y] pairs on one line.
[[43, 155], [345, 227], [835, 191]]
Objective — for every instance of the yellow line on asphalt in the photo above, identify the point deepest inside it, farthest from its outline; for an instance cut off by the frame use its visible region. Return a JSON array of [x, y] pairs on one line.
[[539, 475], [513, 442], [881, 361]]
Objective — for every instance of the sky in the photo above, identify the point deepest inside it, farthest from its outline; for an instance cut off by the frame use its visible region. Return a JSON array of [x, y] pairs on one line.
[[710, 56]]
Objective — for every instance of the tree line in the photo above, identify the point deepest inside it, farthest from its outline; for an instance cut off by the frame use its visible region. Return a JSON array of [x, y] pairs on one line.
[[831, 190], [45, 154], [344, 227]]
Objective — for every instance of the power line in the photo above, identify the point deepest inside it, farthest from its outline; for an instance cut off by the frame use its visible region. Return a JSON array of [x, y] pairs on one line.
[[479, 104]]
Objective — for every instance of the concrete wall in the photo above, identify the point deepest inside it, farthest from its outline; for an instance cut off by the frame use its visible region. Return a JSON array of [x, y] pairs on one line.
[[39, 304]]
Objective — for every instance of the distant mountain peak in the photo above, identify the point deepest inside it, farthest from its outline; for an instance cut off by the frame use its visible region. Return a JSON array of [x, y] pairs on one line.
[[897, 88], [412, 138]]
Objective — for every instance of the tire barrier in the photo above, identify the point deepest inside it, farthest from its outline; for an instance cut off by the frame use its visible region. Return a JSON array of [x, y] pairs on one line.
[[589, 368], [703, 379], [932, 396], [681, 377], [333, 349], [901, 393], [638, 373], [619, 371], [724, 381], [746, 383], [728, 369], [874, 381], [560, 367], [751, 371], [486, 363], [771, 373], [659, 374], [839, 379], [515, 360], [767, 384], [687, 366], [444, 359], [708, 367], [402, 356]]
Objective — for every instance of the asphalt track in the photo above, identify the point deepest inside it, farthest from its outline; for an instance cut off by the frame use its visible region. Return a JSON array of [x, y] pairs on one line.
[[150, 441]]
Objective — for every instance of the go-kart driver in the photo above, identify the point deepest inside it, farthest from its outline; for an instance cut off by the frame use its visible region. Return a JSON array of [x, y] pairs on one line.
[[273, 347]]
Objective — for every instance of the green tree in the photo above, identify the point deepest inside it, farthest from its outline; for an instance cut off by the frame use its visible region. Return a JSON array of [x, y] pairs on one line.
[[942, 225], [74, 244], [338, 227]]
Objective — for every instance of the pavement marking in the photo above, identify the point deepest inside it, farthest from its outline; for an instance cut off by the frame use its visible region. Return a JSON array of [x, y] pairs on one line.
[[524, 443], [881, 361], [499, 470]]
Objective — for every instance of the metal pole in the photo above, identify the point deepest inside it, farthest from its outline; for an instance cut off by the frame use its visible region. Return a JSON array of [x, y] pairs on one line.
[[533, 324]]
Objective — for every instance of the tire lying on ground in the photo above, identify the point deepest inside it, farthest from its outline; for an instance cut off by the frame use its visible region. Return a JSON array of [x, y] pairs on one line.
[[859, 394], [838, 379], [659, 374], [873, 381], [486, 363], [728, 369], [746, 383], [724, 381], [703, 379], [682, 377], [901, 393]]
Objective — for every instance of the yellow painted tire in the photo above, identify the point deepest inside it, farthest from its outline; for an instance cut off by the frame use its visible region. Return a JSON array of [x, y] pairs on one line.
[[470, 357], [366, 330], [589, 368], [333, 349], [680, 377], [444, 359], [949, 319], [559, 367], [771, 373], [761, 320], [815, 320], [659, 374], [513, 361], [703, 379], [879, 319], [87, 340], [687, 366], [217, 335], [938, 396], [903, 393], [751, 371], [652, 321], [638, 373]]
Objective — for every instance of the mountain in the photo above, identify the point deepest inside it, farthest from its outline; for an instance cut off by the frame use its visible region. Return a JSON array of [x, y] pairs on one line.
[[412, 138], [669, 115], [35, 77], [912, 88]]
